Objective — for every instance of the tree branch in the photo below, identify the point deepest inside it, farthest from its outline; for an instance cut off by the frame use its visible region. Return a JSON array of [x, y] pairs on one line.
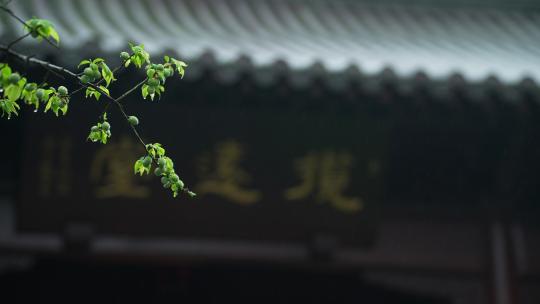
[[58, 69], [55, 68]]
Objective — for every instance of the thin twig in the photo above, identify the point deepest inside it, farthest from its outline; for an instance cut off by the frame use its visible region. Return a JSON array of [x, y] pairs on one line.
[[75, 91], [131, 90], [123, 96], [17, 40]]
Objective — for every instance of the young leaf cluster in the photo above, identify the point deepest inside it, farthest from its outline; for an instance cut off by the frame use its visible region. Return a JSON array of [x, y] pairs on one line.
[[180, 65], [164, 169], [15, 88], [158, 73], [138, 58], [100, 132], [58, 101], [41, 28], [94, 70]]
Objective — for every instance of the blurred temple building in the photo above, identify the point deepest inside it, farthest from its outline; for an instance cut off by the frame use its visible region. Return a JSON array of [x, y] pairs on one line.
[[342, 151]]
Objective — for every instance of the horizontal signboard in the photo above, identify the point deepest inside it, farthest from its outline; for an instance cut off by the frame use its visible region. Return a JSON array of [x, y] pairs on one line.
[[260, 174]]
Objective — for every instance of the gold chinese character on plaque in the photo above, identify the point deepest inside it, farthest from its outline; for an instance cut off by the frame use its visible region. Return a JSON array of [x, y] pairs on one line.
[[222, 175], [55, 170], [111, 165], [325, 175]]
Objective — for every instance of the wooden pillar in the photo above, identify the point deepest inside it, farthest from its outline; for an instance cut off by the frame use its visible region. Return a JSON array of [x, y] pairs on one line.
[[503, 275]]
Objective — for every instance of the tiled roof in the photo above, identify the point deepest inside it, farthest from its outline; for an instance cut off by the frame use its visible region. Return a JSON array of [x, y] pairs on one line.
[[308, 35]]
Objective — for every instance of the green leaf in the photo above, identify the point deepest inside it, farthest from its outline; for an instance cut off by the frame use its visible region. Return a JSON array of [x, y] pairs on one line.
[[137, 61], [83, 63], [160, 151], [54, 34], [144, 91], [137, 166], [64, 109], [6, 71], [12, 92], [92, 92], [50, 104], [103, 137], [140, 168], [9, 107], [107, 74], [174, 188], [104, 89], [180, 65]]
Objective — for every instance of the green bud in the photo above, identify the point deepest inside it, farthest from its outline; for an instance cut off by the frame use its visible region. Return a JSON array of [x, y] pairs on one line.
[[158, 172], [152, 82], [62, 90], [167, 185], [14, 78], [174, 178], [93, 66], [94, 129], [151, 90], [164, 180], [133, 120], [30, 87], [85, 79], [40, 94], [161, 162], [89, 72], [150, 73], [167, 72], [97, 74], [105, 126], [180, 184], [124, 56], [147, 160], [159, 67]]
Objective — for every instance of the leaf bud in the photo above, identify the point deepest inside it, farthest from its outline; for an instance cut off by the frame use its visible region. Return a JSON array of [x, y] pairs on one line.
[[133, 120], [124, 56], [105, 126]]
